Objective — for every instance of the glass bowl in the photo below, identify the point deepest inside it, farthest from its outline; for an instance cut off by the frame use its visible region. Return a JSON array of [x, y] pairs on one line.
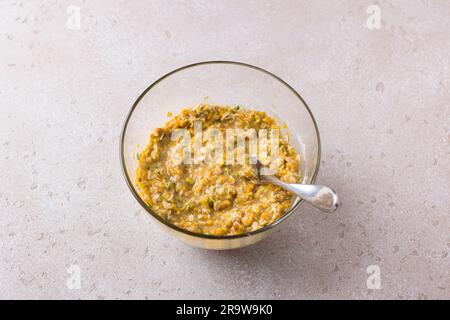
[[223, 83]]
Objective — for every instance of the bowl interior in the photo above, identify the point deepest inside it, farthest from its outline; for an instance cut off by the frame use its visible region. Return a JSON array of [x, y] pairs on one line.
[[224, 83]]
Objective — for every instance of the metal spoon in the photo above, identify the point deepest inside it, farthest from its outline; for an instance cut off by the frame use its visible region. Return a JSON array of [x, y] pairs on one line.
[[321, 197]]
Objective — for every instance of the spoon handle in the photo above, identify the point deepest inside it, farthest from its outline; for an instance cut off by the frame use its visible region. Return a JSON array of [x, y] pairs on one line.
[[321, 197]]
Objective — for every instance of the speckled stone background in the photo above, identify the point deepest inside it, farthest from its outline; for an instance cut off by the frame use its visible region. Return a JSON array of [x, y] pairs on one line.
[[381, 99]]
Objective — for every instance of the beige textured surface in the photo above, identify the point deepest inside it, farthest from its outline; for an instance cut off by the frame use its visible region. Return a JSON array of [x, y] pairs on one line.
[[381, 99]]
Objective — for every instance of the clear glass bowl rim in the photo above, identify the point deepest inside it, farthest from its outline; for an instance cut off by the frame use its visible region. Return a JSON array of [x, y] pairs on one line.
[[195, 234]]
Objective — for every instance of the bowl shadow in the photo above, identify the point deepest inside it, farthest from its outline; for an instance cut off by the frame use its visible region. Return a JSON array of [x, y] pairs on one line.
[[286, 265]]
